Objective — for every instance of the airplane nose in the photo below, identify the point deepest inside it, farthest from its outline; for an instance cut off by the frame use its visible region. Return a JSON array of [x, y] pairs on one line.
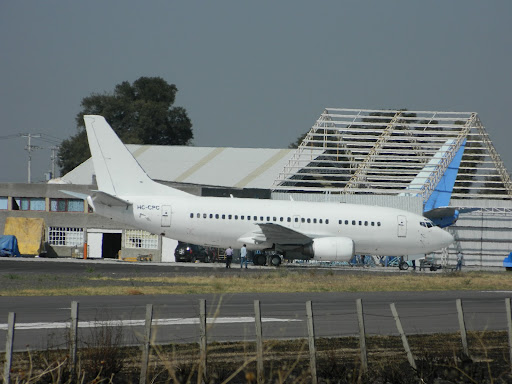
[[447, 238]]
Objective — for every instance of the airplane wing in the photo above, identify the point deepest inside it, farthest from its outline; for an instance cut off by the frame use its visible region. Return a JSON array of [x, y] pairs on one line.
[[275, 233]]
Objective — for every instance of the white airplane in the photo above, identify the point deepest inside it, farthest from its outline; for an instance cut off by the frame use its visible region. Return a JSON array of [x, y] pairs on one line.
[[321, 231]]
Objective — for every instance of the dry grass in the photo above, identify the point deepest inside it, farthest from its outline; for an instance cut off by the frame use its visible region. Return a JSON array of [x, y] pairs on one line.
[[273, 281]]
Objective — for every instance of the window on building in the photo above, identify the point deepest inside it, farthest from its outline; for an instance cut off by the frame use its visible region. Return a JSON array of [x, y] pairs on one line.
[[3, 202], [66, 236], [29, 204], [66, 205], [135, 238]]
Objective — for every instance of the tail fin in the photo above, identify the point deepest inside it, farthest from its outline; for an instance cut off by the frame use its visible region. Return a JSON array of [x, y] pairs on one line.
[[117, 171]]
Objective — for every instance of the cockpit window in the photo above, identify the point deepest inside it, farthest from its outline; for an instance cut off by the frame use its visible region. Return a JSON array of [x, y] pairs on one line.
[[427, 224]]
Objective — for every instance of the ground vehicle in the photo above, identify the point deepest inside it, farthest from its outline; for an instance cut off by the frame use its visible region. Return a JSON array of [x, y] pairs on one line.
[[191, 253]]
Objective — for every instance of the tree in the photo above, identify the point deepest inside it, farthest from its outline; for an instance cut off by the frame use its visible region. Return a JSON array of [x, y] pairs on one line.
[[140, 113]]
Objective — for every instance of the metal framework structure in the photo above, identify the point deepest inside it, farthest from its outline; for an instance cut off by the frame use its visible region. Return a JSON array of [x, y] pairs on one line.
[[367, 151]]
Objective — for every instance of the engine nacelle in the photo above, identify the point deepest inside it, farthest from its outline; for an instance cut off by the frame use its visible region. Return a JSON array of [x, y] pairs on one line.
[[330, 249]]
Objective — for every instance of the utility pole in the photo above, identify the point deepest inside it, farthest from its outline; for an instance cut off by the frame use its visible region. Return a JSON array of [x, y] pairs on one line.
[[53, 158], [29, 148]]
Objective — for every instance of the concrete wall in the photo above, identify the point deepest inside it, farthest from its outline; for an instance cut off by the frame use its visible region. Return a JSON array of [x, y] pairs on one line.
[[85, 220]]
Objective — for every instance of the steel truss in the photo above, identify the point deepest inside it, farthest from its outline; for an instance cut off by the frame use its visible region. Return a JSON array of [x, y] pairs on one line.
[[382, 151]]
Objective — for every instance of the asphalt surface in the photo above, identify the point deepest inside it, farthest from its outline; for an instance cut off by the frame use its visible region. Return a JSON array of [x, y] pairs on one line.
[[41, 321]]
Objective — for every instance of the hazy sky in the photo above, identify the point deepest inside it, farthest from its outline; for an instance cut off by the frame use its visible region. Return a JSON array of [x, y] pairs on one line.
[[251, 74]]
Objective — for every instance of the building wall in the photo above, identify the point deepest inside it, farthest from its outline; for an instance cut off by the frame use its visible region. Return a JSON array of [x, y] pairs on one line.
[[484, 234], [87, 221]]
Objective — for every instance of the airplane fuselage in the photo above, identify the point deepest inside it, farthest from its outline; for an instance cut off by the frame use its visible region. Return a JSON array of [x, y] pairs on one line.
[[224, 222]]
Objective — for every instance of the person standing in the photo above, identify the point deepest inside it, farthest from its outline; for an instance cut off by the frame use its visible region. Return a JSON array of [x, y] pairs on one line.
[[229, 256], [243, 256], [460, 259]]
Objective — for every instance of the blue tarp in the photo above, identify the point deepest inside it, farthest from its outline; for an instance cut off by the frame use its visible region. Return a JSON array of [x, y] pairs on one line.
[[9, 246]]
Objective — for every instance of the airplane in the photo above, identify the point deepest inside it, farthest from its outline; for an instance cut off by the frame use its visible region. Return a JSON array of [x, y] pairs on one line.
[[320, 231]]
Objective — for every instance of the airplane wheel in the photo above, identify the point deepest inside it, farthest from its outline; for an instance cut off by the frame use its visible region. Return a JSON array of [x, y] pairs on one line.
[[262, 259], [403, 266], [275, 261]]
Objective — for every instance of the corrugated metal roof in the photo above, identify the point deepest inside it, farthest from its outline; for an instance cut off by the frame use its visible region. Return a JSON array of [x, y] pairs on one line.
[[225, 167]]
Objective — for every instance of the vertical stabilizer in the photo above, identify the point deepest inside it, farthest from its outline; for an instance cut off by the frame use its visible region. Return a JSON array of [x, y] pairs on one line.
[[117, 171]]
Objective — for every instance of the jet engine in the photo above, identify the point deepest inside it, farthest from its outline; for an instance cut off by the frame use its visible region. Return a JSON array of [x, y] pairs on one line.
[[330, 249]]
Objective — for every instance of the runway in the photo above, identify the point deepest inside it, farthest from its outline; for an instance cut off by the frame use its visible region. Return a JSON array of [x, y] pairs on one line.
[[42, 321]]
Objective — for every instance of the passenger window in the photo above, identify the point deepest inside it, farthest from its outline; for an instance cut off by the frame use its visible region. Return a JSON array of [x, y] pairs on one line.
[[205, 215], [346, 222], [275, 218], [268, 218], [378, 223], [353, 222], [261, 218], [230, 217], [191, 215], [326, 221], [340, 222], [236, 217], [223, 217], [281, 219], [314, 221], [242, 217], [296, 219], [289, 219], [303, 220], [309, 220], [320, 221], [211, 215], [373, 224], [255, 218], [216, 215], [365, 223], [360, 222]]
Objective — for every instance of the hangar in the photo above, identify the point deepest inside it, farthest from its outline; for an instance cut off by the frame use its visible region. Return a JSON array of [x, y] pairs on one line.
[[376, 157]]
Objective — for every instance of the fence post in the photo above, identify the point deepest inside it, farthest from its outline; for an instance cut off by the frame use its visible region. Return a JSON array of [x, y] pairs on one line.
[[462, 326], [405, 343], [259, 342], [509, 326], [73, 337], [311, 341], [9, 347], [202, 338], [362, 335], [145, 347]]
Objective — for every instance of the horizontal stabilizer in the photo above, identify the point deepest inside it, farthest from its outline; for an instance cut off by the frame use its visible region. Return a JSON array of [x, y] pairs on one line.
[[109, 200], [82, 196]]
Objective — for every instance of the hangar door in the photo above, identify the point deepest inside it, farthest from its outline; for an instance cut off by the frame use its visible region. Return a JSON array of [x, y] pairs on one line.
[[103, 243]]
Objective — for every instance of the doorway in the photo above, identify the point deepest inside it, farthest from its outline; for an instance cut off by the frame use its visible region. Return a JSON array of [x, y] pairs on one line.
[[111, 245]]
